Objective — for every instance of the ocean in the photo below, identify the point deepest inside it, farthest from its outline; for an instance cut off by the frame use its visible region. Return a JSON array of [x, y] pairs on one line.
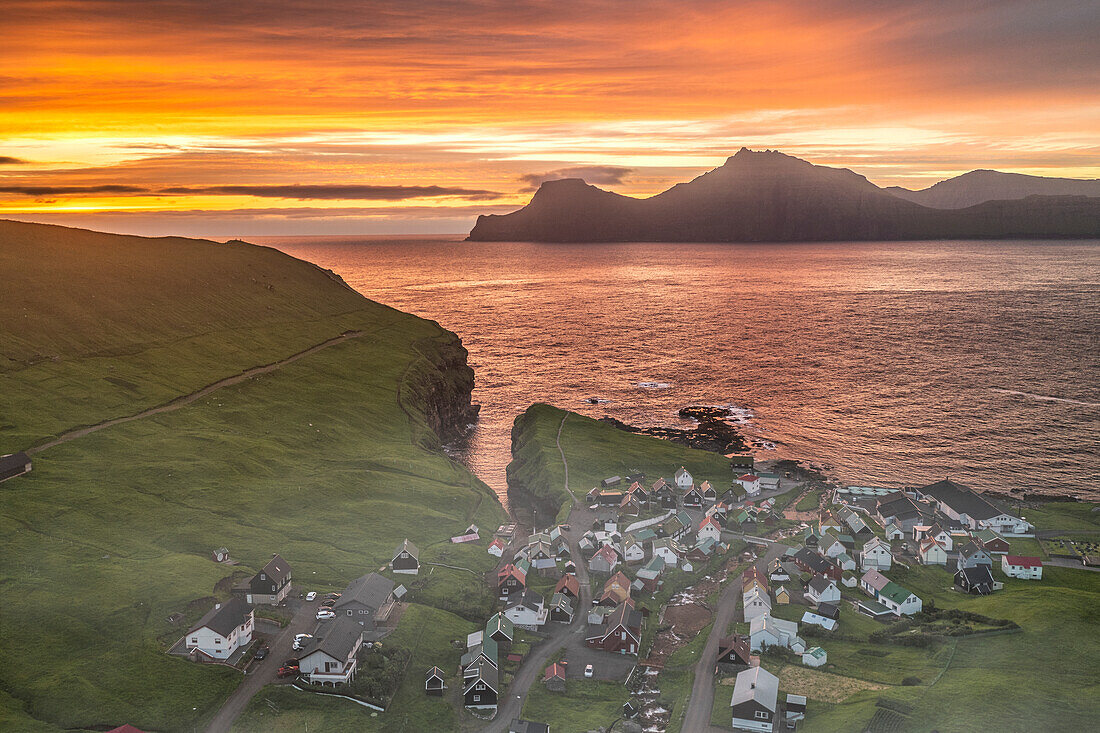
[[892, 363]]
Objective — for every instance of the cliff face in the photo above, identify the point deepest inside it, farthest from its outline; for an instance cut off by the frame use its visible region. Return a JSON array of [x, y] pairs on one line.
[[772, 197], [977, 187], [438, 388]]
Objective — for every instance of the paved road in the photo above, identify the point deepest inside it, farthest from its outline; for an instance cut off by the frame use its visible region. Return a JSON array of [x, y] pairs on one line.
[[187, 399], [701, 702], [264, 672]]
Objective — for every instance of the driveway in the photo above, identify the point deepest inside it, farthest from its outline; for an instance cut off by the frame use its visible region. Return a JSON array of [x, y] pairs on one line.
[[701, 702], [263, 673]]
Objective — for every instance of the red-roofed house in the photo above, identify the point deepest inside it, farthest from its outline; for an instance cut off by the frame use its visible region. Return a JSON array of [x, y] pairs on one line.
[[750, 482], [604, 561], [554, 677], [511, 579], [568, 585], [1022, 567], [710, 529], [496, 547]]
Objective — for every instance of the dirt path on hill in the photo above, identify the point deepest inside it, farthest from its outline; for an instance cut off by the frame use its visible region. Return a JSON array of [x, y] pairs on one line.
[[187, 399]]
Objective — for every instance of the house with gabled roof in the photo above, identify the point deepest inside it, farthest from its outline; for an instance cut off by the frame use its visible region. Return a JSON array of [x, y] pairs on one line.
[[815, 564], [822, 590], [221, 631], [633, 550], [615, 591], [511, 579], [480, 690], [500, 629], [756, 603], [755, 698], [936, 532], [830, 545], [434, 682], [854, 523], [669, 550], [709, 528], [815, 656], [604, 560], [677, 525], [766, 630], [640, 492], [971, 554], [750, 482], [651, 572], [973, 510], [330, 656], [931, 552], [693, 498], [496, 547], [620, 632], [487, 651], [554, 677], [406, 559], [561, 608], [14, 464], [569, 585], [1022, 567], [992, 542], [271, 585], [899, 600], [872, 582], [527, 610], [876, 554], [683, 479], [664, 494], [976, 579], [708, 492], [630, 506], [367, 599], [894, 531]]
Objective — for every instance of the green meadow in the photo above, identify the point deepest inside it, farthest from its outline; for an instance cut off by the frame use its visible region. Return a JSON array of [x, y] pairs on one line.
[[330, 461]]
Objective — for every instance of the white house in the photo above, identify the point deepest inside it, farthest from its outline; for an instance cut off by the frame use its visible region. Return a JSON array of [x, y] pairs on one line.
[[496, 548], [931, 552], [750, 482], [767, 631], [754, 700], [822, 590], [972, 509], [633, 551], [668, 550], [872, 582], [814, 657], [1024, 568], [769, 481], [224, 629], [876, 554], [757, 603], [830, 545], [683, 479], [899, 600], [527, 610], [818, 620], [894, 532], [331, 657], [710, 529]]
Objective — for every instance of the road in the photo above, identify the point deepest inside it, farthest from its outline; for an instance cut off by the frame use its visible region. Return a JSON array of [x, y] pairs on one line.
[[187, 399], [264, 672], [701, 702]]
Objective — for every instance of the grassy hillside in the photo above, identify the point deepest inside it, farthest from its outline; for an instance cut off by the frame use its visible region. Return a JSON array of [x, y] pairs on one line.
[[600, 450], [329, 461]]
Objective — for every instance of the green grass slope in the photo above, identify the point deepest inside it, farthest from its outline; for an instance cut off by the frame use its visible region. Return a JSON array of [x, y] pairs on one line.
[[598, 450], [330, 461]]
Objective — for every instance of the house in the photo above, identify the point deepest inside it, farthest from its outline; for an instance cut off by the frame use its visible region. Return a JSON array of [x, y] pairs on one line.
[[708, 492], [754, 701], [750, 482], [487, 651], [742, 463], [220, 555], [782, 595], [872, 582], [794, 709], [500, 629], [811, 538], [605, 560], [766, 630], [757, 603], [683, 479], [479, 690], [936, 532], [615, 591], [702, 551], [899, 600], [554, 677], [633, 550], [222, 630], [368, 599], [828, 522], [976, 579], [630, 506], [822, 590], [768, 481], [898, 508], [677, 525], [733, 651], [753, 575], [931, 552], [332, 657], [475, 638], [668, 550], [814, 657], [569, 585], [876, 554], [811, 617], [830, 545], [828, 610], [650, 572], [14, 464], [528, 610], [406, 559], [519, 725], [496, 548], [849, 580], [620, 632], [693, 498], [815, 564], [894, 532], [845, 562], [561, 608], [511, 579], [664, 494], [709, 528], [271, 585], [972, 554], [874, 609], [638, 491], [853, 522], [973, 510], [607, 483], [992, 542], [541, 554], [1022, 567]]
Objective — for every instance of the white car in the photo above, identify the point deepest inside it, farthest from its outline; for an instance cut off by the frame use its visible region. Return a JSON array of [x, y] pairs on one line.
[[589, 671], [311, 596], [325, 614], [300, 640]]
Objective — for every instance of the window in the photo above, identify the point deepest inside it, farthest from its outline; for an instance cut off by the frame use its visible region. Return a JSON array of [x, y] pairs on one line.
[[195, 640], [263, 577], [477, 698], [349, 612], [761, 715]]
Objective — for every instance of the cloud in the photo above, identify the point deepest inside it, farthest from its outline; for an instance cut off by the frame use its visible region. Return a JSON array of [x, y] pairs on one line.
[[303, 193], [597, 175], [71, 190], [8, 160]]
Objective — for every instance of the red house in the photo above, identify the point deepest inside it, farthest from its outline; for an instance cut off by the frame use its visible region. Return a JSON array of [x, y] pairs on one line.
[[620, 632]]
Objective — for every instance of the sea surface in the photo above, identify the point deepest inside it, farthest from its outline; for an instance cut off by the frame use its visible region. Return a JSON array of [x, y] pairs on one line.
[[893, 363]]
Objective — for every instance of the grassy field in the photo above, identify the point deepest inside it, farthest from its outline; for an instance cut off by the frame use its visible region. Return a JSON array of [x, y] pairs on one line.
[[595, 451], [585, 705], [809, 502], [330, 461]]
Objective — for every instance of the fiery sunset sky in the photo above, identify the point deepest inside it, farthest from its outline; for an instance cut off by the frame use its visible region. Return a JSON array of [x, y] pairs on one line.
[[282, 117]]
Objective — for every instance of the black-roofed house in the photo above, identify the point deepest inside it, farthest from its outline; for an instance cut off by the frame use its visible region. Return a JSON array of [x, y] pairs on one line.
[[479, 691], [434, 682], [331, 656], [271, 585], [754, 700], [973, 510], [561, 608], [367, 599], [224, 629], [972, 553], [406, 559], [976, 579], [620, 632], [734, 653], [14, 464]]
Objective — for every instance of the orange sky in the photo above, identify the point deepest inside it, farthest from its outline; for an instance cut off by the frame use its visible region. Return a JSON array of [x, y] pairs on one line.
[[342, 117]]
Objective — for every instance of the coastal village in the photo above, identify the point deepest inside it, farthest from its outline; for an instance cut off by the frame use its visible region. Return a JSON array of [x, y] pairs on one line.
[[796, 563]]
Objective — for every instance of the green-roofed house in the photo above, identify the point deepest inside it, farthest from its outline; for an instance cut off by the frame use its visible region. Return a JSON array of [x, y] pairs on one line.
[[500, 629], [899, 600]]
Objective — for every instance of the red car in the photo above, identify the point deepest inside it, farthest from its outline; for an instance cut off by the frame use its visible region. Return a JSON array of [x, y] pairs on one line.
[[288, 671]]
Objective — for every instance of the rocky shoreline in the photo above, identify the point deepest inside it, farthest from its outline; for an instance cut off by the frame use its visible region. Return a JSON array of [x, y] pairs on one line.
[[712, 433]]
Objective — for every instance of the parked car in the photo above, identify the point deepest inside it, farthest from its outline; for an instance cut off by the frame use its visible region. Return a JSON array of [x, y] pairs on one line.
[[292, 662], [311, 596], [329, 603], [288, 672], [300, 640], [332, 596], [325, 614], [589, 671], [261, 653]]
